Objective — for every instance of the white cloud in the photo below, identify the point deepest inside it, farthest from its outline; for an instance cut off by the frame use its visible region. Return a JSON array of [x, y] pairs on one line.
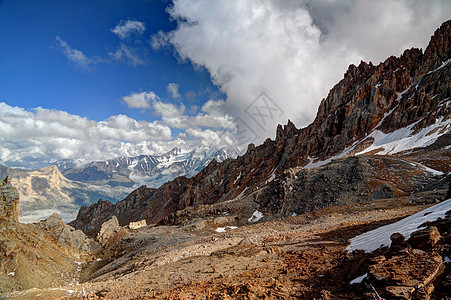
[[127, 28], [140, 100], [35, 138], [212, 113], [127, 55], [295, 51], [32, 138], [173, 89], [74, 55]]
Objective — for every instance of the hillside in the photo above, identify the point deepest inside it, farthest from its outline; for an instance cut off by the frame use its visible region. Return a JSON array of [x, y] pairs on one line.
[[399, 105]]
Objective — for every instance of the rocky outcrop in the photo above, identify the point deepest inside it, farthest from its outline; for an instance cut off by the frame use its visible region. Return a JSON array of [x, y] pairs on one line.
[[402, 277], [425, 238], [40, 254], [108, 229], [410, 269], [72, 241], [411, 90], [9, 201], [348, 180]]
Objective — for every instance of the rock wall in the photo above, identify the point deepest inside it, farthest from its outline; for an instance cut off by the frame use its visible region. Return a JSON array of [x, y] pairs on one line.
[[9, 201]]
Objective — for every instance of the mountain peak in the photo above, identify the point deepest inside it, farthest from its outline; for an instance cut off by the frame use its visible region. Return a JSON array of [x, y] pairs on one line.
[[438, 50]]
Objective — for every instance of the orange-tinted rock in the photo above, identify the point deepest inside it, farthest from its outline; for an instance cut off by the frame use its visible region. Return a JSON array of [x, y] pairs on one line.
[[425, 238]]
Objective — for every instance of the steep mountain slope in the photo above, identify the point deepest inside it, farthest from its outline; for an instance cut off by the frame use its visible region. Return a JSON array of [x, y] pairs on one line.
[[401, 104], [47, 188], [37, 255], [151, 170]]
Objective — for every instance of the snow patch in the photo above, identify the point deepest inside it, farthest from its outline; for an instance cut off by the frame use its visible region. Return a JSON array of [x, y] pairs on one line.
[[359, 279], [402, 139], [372, 240], [256, 216], [242, 193], [239, 176], [272, 176], [223, 229], [11, 274], [320, 163]]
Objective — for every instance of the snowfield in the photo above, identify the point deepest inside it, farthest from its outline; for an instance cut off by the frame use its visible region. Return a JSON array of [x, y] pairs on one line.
[[374, 239]]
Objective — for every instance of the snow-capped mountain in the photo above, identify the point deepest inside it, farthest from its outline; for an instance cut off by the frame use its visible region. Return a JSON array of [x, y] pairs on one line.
[[151, 170]]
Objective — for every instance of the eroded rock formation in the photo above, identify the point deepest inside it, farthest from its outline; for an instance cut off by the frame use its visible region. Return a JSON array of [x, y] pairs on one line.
[[9, 201]]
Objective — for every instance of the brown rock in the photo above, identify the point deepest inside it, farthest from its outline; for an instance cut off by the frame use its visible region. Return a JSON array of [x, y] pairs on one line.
[[107, 230], [397, 238], [405, 275], [400, 292], [9, 201], [425, 238]]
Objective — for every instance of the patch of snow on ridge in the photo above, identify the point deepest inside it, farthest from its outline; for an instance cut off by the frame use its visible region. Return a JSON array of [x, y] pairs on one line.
[[427, 169], [256, 216], [272, 176], [359, 279], [402, 139], [319, 163], [372, 240]]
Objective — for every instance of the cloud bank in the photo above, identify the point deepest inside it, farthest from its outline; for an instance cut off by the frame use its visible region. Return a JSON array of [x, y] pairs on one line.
[[36, 138], [294, 51]]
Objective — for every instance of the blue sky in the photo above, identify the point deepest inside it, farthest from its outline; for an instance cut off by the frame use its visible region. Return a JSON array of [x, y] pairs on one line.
[[93, 80], [35, 72]]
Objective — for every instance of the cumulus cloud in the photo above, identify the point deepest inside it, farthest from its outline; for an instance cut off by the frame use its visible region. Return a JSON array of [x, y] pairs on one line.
[[173, 90], [126, 28], [74, 56], [293, 51], [140, 100], [34, 138], [212, 114], [127, 55]]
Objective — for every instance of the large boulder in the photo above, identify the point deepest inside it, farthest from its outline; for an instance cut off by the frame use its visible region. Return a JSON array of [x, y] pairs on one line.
[[108, 230], [425, 238], [74, 241]]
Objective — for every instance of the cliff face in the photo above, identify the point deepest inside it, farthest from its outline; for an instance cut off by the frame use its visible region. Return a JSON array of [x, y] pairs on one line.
[[9, 201], [47, 188], [410, 92]]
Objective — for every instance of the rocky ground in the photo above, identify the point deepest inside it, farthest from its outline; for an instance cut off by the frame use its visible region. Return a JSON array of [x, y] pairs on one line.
[[301, 257]]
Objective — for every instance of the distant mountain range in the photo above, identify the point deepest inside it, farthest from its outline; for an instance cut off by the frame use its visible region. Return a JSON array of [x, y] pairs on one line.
[[149, 170], [66, 186]]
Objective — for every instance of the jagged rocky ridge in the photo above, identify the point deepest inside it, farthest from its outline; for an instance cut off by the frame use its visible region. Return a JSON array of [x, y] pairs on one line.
[[410, 90]]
